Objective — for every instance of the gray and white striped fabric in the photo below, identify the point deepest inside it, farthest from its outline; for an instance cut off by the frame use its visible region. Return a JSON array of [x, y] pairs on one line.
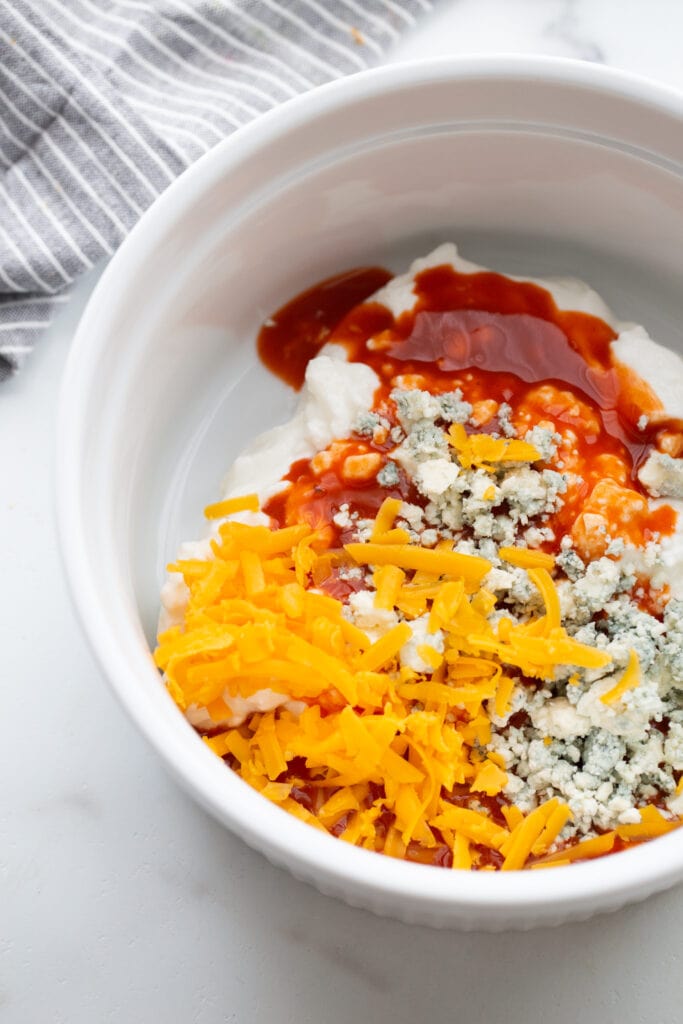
[[103, 103]]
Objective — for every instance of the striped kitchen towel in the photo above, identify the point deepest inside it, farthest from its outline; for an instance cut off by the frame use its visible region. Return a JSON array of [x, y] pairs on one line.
[[103, 103]]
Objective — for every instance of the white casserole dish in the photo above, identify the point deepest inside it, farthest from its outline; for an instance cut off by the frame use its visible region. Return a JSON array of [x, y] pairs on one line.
[[534, 166]]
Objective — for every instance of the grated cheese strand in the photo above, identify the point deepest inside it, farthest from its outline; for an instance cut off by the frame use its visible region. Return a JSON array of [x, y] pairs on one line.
[[629, 680], [543, 581], [386, 648], [584, 850], [482, 451], [220, 509], [436, 563], [524, 558], [384, 520], [525, 835], [462, 857]]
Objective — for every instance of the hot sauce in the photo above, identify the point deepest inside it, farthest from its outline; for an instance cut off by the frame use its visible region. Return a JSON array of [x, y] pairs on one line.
[[297, 332], [494, 338]]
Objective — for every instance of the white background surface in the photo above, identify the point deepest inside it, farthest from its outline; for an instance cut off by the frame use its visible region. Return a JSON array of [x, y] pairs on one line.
[[122, 901]]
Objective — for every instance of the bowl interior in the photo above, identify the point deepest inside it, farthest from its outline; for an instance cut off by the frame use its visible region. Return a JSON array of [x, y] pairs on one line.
[[525, 177], [543, 206]]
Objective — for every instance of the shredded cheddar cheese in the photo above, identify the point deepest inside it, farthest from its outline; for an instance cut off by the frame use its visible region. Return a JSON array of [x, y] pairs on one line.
[[542, 579], [629, 681], [376, 738], [384, 520], [526, 558], [436, 563], [221, 509], [481, 451]]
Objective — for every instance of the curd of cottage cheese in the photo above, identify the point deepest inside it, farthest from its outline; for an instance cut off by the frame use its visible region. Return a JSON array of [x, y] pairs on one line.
[[334, 395], [659, 367]]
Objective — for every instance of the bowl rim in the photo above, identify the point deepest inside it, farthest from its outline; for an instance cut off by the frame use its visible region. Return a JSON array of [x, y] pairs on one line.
[[283, 838]]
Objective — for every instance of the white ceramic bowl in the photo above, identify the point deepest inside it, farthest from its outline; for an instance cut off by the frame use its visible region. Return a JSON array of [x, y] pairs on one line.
[[532, 166]]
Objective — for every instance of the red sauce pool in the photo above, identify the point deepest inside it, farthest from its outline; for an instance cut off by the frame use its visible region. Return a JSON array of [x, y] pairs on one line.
[[481, 323], [297, 332], [494, 338]]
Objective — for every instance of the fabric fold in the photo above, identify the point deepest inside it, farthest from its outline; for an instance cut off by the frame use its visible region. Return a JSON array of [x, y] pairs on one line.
[[103, 104]]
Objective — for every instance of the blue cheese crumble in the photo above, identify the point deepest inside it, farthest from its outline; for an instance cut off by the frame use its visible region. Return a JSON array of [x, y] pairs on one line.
[[558, 739]]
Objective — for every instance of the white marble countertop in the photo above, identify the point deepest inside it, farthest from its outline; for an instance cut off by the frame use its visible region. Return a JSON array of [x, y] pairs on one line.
[[121, 900]]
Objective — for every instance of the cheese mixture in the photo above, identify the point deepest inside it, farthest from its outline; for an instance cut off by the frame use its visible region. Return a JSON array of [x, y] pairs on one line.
[[440, 613]]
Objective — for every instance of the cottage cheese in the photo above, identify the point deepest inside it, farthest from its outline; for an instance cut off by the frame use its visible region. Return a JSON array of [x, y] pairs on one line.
[[335, 394]]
